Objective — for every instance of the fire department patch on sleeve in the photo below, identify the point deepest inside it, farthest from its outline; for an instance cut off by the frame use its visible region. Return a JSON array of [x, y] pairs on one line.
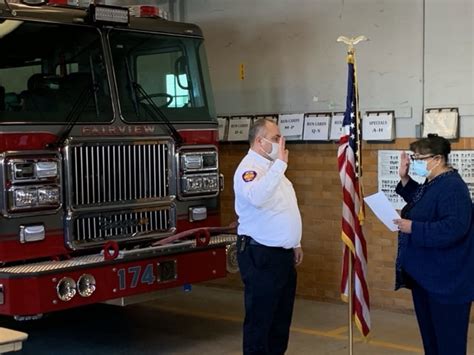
[[249, 175]]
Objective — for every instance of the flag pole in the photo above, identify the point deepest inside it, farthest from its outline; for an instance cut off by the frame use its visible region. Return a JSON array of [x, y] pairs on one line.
[[349, 307], [351, 42]]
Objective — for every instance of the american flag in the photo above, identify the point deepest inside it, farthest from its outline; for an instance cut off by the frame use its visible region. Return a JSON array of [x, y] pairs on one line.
[[355, 246]]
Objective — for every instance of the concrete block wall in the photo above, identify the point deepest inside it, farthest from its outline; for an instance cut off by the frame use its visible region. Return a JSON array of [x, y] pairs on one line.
[[313, 171]]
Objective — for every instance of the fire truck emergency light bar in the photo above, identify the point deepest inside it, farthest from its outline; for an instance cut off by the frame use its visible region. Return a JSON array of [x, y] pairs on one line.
[[109, 14], [148, 11], [105, 13]]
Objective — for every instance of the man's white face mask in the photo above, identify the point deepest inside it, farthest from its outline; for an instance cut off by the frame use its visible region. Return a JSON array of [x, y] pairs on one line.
[[275, 148]]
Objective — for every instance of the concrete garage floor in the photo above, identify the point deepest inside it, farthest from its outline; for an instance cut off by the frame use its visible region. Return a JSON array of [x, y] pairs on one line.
[[207, 321]]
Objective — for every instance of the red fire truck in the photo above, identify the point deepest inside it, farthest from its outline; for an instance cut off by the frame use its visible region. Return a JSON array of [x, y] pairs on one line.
[[109, 177]]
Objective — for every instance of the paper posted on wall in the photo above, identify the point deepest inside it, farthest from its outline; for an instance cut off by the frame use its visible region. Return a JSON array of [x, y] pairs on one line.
[[383, 209], [441, 122]]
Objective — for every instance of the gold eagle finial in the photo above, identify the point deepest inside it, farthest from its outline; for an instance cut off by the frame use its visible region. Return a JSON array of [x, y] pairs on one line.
[[351, 42]]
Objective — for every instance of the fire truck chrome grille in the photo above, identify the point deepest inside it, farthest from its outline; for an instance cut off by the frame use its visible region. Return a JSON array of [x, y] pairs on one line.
[[117, 172], [122, 225]]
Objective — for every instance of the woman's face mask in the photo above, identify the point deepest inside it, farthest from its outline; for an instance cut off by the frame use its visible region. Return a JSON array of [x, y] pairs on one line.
[[420, 168]]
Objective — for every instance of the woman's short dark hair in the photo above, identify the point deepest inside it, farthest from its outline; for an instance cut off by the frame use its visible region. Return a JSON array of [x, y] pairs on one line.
[[433, 144]]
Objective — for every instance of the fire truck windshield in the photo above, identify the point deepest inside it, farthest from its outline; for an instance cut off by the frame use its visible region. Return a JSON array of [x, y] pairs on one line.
[[170, 70], [52, 73]]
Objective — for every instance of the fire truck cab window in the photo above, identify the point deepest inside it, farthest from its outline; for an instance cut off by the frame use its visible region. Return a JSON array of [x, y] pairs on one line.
[[161, 72], [53, 74]]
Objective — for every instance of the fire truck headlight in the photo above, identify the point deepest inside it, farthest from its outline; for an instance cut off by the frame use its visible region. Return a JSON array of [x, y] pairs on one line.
[[191, 162], [25, 197], [202, 183], [199, 173], [23, 171], [86, 285], [48, 195], [29, 170], [193, 183], [32, 182], [66, 289], [38, 197], [210, 183], [46, 169]]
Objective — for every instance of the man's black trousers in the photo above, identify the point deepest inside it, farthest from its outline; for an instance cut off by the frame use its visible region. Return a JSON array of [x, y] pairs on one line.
[[269, 276]]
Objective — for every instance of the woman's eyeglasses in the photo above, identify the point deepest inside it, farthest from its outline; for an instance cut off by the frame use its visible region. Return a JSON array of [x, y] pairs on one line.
[[420, 156]]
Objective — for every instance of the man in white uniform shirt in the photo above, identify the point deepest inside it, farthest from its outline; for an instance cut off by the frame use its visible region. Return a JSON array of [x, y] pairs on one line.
[[269, 240]]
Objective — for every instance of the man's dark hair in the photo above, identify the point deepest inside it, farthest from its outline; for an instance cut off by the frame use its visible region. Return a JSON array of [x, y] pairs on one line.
[[257, 127], [433, 144]]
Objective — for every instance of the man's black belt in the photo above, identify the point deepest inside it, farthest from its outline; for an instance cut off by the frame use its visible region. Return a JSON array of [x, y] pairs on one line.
[[247, 240]]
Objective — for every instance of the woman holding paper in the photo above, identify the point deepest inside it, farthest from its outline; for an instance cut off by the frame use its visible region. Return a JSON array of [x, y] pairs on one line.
[[436, 246]]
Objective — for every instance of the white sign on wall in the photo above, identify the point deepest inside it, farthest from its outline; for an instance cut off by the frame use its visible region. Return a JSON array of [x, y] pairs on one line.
[[463, 161], [378, 127], [291, 125], [443, 122], [316, 127], [223, 121], [336, 127], [239, 128]]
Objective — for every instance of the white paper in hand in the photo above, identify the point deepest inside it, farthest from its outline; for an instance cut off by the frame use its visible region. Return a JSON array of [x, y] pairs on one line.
[[383, 209]]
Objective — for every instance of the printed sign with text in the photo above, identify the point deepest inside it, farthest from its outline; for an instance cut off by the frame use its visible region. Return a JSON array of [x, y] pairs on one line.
[[291, 125], [316, 128]]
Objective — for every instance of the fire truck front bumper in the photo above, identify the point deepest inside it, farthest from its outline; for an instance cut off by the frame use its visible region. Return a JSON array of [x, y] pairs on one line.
[[33, 289]]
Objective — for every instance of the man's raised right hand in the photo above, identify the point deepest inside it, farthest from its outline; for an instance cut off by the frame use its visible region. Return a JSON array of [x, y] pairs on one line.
[[283, 152]]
